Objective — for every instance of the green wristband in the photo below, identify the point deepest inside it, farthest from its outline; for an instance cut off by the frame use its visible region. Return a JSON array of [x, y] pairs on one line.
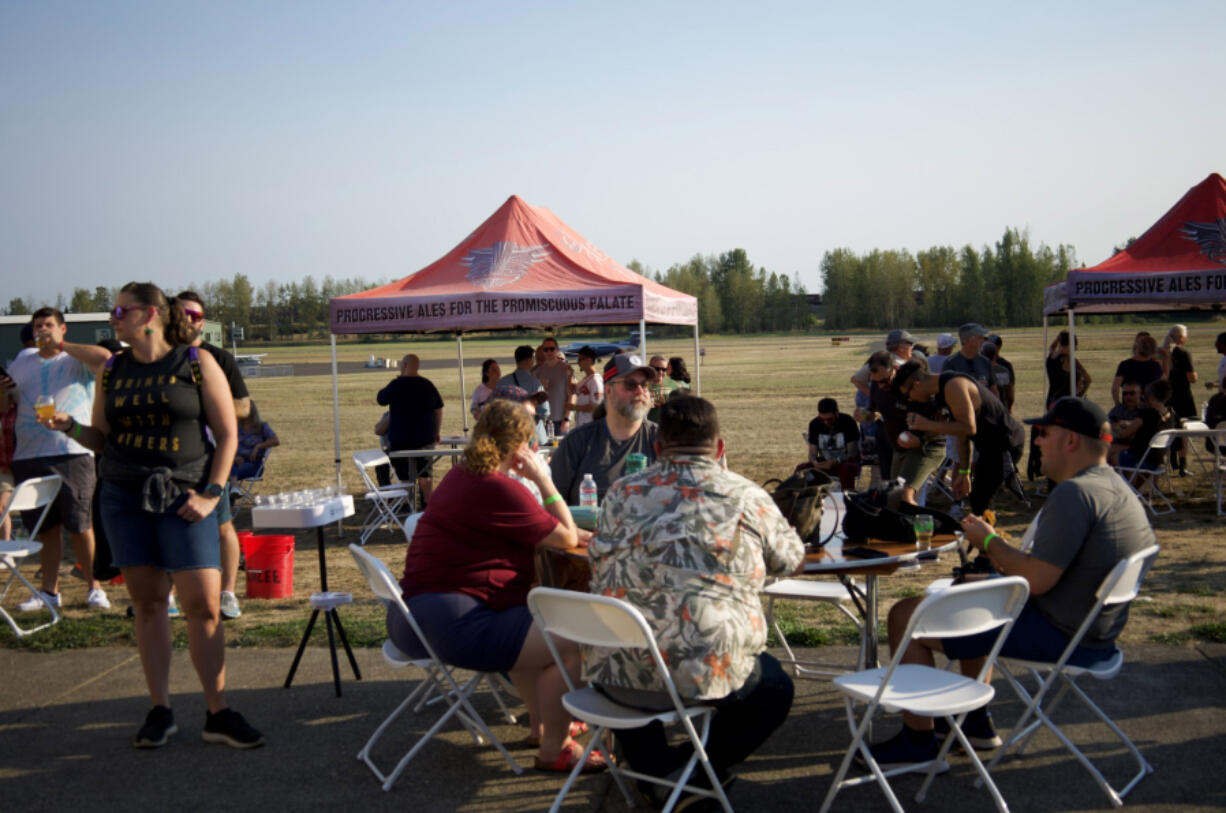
[[987, 539], [551, 500], [964, 471], [75, 431]]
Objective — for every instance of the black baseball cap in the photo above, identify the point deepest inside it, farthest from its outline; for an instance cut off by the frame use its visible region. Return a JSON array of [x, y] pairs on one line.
[[587, 352], [623, 364], [1076, 415]]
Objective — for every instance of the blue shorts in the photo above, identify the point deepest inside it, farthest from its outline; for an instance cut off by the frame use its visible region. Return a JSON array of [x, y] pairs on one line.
[[1130, 461], [222, 511], [245, 470], [463, 631], [1032, 638], [166, 541]]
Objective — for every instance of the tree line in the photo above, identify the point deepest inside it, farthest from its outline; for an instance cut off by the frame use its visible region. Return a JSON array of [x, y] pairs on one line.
[[1000, 285]]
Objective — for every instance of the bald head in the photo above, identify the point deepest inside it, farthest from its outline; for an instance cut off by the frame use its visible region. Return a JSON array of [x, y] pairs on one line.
[[410, 364]]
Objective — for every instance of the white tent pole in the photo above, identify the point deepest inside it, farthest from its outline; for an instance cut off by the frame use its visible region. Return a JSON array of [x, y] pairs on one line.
[[697, 362], [459, 344], [1072, 353], [643, 339], [336, 426]]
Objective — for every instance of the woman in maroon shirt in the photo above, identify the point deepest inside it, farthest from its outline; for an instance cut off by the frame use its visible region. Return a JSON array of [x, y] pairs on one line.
[[470, 566]]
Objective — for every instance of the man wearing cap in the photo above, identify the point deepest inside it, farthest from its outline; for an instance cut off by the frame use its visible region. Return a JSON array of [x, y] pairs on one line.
[[900, 343], [1092, 521], [600, 448], [945, 348], [589, 393], [968, 359], [975, 415]]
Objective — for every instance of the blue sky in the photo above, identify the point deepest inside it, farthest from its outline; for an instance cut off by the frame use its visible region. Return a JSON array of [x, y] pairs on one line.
[[181, 141]]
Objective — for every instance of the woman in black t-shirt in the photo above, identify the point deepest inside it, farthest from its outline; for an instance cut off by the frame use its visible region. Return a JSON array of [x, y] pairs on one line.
[[1142, 366], [162, 477], [1179, 371], [1057, 371]]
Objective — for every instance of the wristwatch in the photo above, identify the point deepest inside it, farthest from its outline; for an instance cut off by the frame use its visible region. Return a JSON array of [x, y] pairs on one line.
[[213, 490]]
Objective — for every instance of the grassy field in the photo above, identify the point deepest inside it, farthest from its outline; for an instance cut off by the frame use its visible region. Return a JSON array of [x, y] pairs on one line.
[[766, 389]]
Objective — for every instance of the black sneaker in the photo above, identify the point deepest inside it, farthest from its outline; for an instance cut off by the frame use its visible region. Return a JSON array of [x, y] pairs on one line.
[[906, 748], [977, 727], [159, 724], [228, 726]]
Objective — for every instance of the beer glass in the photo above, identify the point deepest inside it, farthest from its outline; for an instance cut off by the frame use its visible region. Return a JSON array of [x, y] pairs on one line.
[[44, 407], [923, 532]]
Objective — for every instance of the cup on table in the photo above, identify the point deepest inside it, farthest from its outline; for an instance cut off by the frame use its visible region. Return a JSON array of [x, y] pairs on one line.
[[923, 525]]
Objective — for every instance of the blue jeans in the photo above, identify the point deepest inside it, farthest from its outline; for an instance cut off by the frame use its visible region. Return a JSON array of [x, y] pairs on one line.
[[167, 541], [743, 721]]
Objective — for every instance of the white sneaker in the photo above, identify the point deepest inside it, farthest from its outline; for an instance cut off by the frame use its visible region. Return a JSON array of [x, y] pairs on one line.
[[229, 605], [34, 603], [172, 607], [97, 599]]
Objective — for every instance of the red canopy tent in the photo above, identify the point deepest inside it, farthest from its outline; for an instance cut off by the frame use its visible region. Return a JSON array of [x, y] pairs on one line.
[[1179, 263], [522, 267]]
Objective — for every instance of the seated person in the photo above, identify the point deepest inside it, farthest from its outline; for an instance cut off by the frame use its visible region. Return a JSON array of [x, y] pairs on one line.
[[1092, 520], [675, 559], [491, 373], [1153, 416], [1122, 416], [468, 572], [600, 448], [255, 438], [834, 443]]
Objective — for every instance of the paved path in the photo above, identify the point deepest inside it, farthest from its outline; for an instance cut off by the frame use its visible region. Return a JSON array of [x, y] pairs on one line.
[[66, 720]]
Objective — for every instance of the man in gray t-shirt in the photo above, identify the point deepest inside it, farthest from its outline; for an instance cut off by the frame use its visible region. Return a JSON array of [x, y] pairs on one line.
[[1091, 522]]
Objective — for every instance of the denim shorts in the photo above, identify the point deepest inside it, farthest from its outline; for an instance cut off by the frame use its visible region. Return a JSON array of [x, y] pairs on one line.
[[464, 631], [222, 511], [166, 541], [1032, 638]]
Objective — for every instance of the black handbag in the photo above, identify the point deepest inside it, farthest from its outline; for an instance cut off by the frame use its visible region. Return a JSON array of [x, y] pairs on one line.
[[800, 499], [880, 513]]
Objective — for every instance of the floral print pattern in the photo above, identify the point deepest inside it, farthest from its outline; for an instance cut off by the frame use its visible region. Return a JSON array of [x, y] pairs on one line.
[[690, 545]]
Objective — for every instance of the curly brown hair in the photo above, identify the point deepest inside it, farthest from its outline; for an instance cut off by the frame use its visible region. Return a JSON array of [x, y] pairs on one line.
[[176, 328], [503, 425]]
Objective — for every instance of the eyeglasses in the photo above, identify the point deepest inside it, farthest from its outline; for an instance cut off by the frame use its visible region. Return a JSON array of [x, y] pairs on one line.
[[194, 316], [631, 386], [550, 349], [121, 311], [659, 369]]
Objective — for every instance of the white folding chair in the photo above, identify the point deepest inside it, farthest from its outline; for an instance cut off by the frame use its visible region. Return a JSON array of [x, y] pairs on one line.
[[1143, 477], [609, 622], [837, 594], [386, 502], [965, 609], [1121, 585], [243, 493], [439, 678], [1196, 447], [29, 495]]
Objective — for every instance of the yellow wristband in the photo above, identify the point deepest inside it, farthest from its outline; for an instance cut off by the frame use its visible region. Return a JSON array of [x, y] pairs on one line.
[[987, 539], [551, 500]]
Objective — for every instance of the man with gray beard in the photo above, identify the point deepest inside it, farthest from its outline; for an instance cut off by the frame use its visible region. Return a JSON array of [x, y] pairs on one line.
[[600, 448]]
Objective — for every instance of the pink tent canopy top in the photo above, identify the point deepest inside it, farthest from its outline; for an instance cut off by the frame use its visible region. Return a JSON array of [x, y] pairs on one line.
[[522, 267]]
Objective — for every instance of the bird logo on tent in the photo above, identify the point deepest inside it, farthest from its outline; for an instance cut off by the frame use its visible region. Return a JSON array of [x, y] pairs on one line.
[[1211, 237], [501, 264]]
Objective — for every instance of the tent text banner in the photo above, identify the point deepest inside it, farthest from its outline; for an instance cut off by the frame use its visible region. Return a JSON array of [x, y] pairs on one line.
[[1189, 288]]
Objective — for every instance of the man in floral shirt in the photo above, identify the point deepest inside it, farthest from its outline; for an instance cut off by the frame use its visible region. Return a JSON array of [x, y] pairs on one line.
[[690, 545]]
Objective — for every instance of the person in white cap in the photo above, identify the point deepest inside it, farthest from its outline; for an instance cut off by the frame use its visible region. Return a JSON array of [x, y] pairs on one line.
[[945, 348]]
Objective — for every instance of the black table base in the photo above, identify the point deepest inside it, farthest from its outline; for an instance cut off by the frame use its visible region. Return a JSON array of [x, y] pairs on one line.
[[331, 617]]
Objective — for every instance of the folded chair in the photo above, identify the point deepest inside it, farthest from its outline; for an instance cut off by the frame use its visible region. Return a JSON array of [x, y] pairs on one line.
[[29, 495], [1121, 585], [964, 609], [387, 503], [439, 679], [243, 493], [1143, 478], [609, 622]]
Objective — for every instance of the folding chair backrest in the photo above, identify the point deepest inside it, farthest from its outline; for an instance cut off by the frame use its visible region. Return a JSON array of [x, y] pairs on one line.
[[1196, 426], [1124, 581], [1162, 440], [380, 579], [32, 494], [968, 609], [590, 619], [366, 460]]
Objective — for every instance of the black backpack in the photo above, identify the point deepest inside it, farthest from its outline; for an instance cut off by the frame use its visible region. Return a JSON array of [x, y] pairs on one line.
[[880, 513]]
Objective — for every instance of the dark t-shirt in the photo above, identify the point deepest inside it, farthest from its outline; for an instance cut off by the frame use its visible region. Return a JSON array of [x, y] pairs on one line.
[[1089, 523], [154, 411], [411, 400], [238, 387], [590, 449], [1152, 423], [994, 427], [833, 439], [978, 368], [477, 537], [1142, 372], [1181, 388]]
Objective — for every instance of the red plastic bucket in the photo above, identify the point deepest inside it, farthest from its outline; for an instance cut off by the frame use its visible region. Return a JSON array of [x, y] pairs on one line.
[[270, 565]]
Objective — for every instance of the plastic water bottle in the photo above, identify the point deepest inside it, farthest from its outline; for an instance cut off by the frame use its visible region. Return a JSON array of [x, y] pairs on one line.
[[587, 492]]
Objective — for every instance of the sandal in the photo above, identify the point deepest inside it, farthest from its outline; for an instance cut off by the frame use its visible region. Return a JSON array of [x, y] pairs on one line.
[[568, 757], [577, 729]]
